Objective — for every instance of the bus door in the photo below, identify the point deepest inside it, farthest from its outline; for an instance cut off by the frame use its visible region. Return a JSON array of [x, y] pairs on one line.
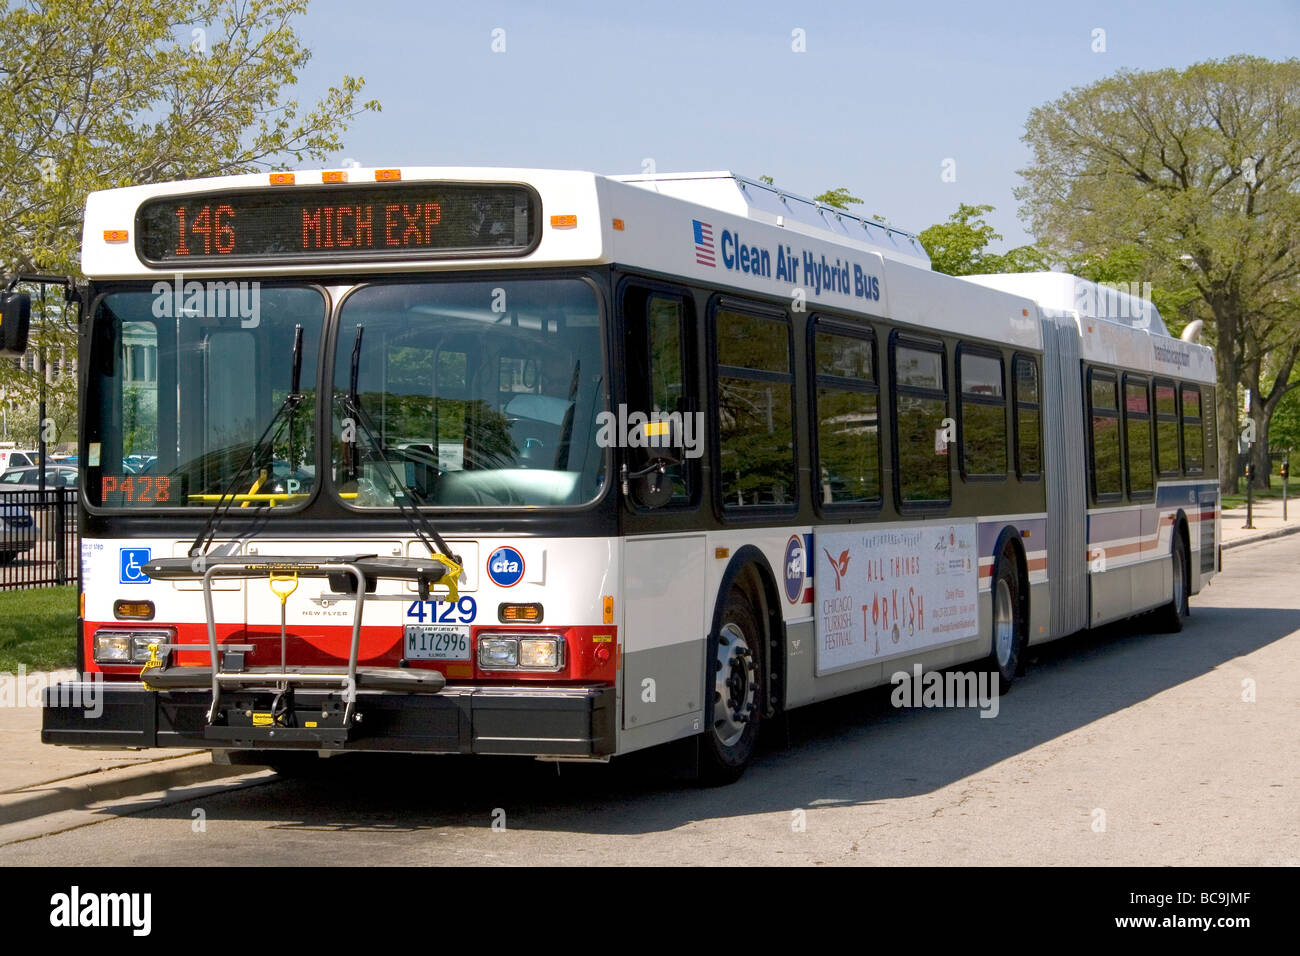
[[665, 557]]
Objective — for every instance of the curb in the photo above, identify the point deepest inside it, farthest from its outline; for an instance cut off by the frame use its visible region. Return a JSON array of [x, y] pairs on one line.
[[113, 785], [1256, 538]]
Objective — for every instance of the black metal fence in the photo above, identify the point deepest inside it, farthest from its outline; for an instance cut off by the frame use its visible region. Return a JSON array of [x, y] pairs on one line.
[[39, 546]]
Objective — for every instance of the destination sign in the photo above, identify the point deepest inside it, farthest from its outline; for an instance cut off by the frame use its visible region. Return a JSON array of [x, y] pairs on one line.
[[309, 224]]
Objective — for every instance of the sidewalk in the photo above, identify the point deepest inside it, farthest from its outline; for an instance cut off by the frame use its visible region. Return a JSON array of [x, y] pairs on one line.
[[37, 779], [1267, 520]]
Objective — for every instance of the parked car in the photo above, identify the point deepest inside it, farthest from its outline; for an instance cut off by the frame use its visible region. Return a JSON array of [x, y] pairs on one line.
[[16, 458], [27, 479], [17, 531]]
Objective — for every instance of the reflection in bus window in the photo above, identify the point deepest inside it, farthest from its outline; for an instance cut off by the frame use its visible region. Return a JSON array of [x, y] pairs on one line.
[[922, 405], [755, 421], [1106, 461], [983, 415], [1193, 436], [848, 419], [1029, 461], [1137, 432], [479, 394], [177, 402]]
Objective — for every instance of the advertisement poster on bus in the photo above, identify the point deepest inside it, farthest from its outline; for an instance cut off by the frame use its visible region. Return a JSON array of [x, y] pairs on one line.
[[886, 592]]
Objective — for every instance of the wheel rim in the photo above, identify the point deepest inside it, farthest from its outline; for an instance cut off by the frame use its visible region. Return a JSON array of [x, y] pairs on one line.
[[1004, 625], [734, 685], [1180, 582]]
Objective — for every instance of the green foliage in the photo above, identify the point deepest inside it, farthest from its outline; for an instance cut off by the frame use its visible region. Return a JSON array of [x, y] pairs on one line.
[[1193, 175], [839, 197], [96, 94], [959, 247]]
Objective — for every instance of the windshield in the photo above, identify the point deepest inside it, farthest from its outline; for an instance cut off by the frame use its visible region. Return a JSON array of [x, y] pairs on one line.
[[183, 382], [481, 393]]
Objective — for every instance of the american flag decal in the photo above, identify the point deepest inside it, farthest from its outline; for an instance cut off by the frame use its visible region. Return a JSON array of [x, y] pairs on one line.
[[704, 244]]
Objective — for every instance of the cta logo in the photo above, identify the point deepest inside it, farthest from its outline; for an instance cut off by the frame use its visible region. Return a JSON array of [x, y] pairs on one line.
[[505, 566]]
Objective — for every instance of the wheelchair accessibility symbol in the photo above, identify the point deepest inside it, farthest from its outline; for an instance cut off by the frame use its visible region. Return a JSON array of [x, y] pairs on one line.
[[132, 569]]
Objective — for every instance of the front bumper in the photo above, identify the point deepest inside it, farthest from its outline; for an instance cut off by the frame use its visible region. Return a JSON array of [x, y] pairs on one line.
[[568, 721]]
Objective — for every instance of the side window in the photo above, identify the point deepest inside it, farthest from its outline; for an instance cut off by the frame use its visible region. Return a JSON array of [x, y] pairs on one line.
[[1209, 417], [920, 407], [756, 464], [1137, 437], [1028, 399], [1193, 433], [1103, 410], [846, 413], [983, 415], [1166, 409], [658, 379]]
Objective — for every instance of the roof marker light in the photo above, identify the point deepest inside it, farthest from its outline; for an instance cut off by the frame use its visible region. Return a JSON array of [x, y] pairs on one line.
[[115, 235], [282, 179], [619, 225], [333, 176], [387, 175], [564, 222]]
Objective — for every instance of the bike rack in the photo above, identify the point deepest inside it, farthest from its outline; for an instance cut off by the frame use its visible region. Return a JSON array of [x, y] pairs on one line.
[[363, 570]]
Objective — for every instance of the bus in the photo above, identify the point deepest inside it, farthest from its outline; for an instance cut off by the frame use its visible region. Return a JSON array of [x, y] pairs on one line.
[[565, 465]]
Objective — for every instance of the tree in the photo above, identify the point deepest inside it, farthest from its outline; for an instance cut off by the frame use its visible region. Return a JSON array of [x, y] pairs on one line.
[[96, 94], [958, 246], [1198, 171], [839, 197]]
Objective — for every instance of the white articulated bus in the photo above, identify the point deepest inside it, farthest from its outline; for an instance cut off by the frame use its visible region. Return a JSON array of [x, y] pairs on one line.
[[550, 463]]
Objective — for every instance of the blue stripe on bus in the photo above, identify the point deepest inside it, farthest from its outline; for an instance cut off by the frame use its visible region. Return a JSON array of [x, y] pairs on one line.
[[1034, 540]]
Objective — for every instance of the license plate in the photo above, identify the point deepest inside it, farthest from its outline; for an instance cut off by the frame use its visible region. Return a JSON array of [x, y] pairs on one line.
[[436, 642]]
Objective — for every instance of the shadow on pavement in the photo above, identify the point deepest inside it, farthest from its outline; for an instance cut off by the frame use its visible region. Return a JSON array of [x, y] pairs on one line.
[[853, 750]]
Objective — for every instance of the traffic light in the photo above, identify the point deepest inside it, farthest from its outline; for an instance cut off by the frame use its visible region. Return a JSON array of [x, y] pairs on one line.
[[1284, 468], [1250, 471]]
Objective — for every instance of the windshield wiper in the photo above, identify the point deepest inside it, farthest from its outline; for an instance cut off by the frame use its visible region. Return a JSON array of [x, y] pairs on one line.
[[351, 407], [283, 416]]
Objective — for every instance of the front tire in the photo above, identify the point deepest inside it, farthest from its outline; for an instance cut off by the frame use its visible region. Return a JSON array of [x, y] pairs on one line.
[[733, 693]]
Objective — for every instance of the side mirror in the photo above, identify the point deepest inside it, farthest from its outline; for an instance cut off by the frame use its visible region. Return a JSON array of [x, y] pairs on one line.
[[655, 446], [15, 317]]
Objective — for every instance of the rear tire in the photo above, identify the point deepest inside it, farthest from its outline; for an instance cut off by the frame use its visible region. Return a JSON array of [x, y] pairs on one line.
[[1009, 635], [1171, 617], [733, 693]]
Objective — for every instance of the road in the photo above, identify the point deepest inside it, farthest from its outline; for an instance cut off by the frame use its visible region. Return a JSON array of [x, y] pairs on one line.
[[1116, 748]]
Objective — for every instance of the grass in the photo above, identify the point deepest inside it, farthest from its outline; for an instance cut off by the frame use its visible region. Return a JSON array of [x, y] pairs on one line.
[[38, 629], [1238, 500]]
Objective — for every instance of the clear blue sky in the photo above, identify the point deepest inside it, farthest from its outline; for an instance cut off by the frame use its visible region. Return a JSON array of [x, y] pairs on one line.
[[884, 93]]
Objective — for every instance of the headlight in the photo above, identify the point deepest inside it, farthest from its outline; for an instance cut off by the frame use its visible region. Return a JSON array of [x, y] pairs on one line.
[[112, 647], [128, 647], [496, 653], [540, 652], [520, 652]]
